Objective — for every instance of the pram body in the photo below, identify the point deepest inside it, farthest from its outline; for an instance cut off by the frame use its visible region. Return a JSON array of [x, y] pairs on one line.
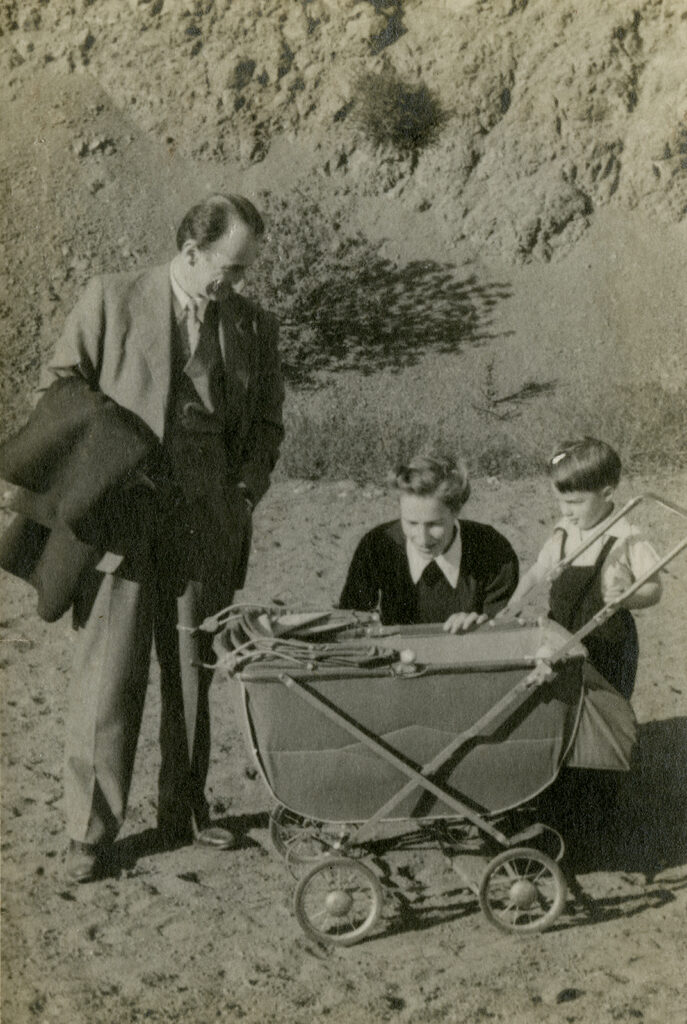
[[354, 725], [315, 767]]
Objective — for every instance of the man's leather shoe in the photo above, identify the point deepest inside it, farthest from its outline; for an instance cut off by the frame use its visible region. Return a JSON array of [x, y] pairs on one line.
[[173, 836], [220, 838], [84, 861]]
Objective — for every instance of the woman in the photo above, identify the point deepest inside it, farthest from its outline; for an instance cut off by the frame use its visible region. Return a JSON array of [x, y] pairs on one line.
[[429, 565]]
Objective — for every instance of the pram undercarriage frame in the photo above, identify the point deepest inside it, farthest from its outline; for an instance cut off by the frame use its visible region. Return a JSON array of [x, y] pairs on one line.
[[536, 887]]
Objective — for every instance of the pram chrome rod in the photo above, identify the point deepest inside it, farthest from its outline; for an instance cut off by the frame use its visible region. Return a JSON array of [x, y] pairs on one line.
[[609, 609], [678, 509], [599, 532], [421, 778]]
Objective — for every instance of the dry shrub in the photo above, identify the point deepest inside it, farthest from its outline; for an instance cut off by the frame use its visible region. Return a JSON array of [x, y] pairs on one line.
[[393, 113]]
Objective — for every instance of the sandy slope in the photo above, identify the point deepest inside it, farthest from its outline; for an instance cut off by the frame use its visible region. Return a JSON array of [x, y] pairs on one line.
[[196, 936]]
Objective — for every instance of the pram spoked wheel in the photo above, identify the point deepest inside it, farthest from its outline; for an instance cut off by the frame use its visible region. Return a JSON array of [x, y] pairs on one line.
[[339, 901], [295, 838], [522, 890]]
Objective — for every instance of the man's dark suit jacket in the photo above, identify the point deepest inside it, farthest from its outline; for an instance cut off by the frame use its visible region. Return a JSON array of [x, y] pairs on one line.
[[74, 463], [118, 340]]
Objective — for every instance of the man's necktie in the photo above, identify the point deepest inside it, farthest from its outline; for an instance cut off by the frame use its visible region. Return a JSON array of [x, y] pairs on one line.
[[204, 366], [193, 326]]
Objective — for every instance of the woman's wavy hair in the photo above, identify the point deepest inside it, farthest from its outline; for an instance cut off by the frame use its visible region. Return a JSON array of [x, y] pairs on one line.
[[433, 474], [584, 465]]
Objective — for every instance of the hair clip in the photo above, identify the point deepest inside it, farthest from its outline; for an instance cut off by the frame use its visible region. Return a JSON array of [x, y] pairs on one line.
[[557, 458]]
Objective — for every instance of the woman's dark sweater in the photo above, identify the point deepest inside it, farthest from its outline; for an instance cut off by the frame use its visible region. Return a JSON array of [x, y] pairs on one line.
[[379, 576]]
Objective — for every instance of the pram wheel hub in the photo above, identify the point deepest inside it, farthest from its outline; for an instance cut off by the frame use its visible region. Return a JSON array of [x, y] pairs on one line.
[[523, 893], [339, 901], [522, 890]]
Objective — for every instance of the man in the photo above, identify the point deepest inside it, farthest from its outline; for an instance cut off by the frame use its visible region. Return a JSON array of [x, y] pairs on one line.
[[198, 364]]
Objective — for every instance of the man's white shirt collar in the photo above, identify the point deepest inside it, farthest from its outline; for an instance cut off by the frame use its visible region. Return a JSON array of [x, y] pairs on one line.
[[185, 300], [448, 562]]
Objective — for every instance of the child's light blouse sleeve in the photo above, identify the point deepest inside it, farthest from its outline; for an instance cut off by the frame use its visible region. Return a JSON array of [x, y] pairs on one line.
[[636, 554]]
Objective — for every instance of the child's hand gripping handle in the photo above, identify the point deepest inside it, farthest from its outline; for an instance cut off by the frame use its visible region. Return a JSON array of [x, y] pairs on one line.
[[617, 580]]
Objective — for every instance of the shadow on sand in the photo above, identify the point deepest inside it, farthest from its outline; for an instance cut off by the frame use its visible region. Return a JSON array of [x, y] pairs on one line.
[[385, 316], [149, 842], [634, 822], [629, 824]]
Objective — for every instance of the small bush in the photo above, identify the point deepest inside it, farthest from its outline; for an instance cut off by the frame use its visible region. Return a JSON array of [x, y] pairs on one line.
[[397, 114]]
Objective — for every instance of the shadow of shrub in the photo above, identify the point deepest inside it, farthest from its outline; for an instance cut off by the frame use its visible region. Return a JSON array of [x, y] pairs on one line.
[[377, 315], [342, 305]]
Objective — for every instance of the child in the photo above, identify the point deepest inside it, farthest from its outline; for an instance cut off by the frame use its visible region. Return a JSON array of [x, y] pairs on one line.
[[429, 565], [584, 475]]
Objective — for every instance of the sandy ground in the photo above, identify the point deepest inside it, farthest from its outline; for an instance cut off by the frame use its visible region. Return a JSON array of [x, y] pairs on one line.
[[197, 935]]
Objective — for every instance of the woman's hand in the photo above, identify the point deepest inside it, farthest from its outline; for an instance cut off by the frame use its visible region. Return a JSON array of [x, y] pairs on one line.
[[461, 622]]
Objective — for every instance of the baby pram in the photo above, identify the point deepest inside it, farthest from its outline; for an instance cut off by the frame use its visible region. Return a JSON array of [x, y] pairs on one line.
[[355, 726]]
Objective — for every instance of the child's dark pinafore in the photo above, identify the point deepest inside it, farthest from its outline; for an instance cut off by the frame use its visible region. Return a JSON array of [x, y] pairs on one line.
[[575, 598]]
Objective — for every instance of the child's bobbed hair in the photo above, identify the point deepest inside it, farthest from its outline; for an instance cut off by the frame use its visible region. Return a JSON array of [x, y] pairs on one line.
[[584, 465], [433, 475]]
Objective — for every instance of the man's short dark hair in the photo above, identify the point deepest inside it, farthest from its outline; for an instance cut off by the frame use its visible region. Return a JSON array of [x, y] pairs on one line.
[[209, 219]]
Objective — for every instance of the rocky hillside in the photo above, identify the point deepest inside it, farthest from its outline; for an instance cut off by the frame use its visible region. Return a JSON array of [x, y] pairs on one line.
[[496, 128], [551, 109]]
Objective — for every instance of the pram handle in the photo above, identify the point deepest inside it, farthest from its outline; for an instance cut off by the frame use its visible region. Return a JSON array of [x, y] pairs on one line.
[[610, 607], [512, 613]]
